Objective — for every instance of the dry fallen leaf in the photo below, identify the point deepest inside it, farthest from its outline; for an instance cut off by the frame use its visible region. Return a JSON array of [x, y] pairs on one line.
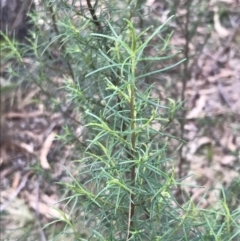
[[16, 179], [195, 144], [27, 100], [222, 32], [228, 160], [28, 147], [224, 73], [198, 110], [45, 149], [11, 115], [49, 209]]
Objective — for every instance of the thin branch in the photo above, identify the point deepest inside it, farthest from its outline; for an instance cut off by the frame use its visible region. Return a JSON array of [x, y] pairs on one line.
[[93, 14], [184, 83], [54, 21]]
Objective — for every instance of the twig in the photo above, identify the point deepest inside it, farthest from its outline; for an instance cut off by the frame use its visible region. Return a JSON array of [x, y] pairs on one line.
[[93, 14], [19, 15], [129, 219], [15, 193], [184, 83], [223, 95], [54, 20], [42, 235]]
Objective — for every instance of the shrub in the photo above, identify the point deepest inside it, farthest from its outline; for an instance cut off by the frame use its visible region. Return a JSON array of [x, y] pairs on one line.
[[126, 183]]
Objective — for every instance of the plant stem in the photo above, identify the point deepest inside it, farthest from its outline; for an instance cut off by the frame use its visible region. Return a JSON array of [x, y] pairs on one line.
[[133, 133], [184, 83]]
